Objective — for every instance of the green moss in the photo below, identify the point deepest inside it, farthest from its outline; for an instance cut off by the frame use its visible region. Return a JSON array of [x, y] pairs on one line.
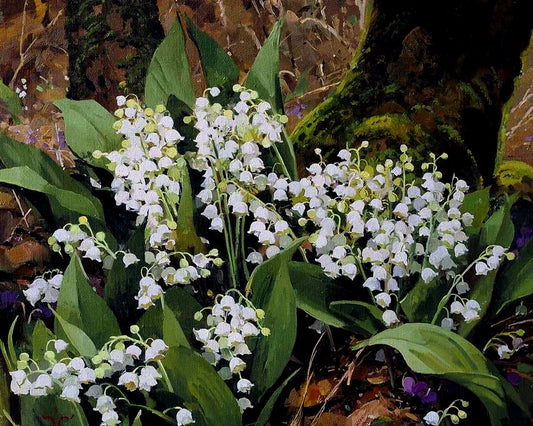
[[514, 174], [393, 127]]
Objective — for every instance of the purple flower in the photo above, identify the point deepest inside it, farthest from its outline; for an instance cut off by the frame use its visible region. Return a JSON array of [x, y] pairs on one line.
[[8, 299], [61, 139], [419, 389], [31, 139], [529, 138], [526, 233], [513, 378], [297, 108]]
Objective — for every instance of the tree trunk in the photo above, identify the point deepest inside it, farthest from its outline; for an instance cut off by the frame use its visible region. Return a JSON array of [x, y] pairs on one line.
[[431, 74], [110, 42]]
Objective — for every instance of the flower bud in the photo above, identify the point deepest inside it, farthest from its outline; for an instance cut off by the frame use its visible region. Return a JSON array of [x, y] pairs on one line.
[[83, 220], [198, 316], [134, 329]]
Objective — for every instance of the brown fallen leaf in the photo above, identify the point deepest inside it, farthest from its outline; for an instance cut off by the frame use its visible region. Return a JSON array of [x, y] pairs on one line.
[[327, 419], [12, 258]]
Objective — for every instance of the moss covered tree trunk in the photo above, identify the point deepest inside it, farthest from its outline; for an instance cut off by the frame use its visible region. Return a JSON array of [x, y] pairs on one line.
[[431, 74], [110, 41]]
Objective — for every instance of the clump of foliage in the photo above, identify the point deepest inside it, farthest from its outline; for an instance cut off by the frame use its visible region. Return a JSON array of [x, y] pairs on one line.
[[207, 268]]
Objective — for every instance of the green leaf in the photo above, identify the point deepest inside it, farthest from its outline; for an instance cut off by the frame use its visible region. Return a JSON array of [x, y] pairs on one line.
[[79, 305], [176, 322], [200, 387], [516, 281], [264, 78], [364, 317], [264, 74], [168, 73], [219, 68], [429, 349], [137, 421], [14, 154], [89, 127], [498, 229], [46, 410], [420, 303], [10, 101], [271, 289], [477, 203], [187, 239], [123, 283], [75, 335], [315, 293], [40, 337], [264, 416], [25, 177], [10, 344]]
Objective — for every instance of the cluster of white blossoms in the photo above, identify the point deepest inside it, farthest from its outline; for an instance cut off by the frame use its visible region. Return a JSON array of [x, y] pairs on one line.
[[91, 245], [230, 324], [232, 146], [147, 170], [384, 223], [454, 413], [189, 268], [506, 344], [44, 289], [124, 361]]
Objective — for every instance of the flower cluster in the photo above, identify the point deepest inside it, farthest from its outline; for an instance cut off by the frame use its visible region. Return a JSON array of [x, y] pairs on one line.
[[92, 245], [148, 168], [45, 288], [127, 361], [506, 344], [230, 323], [453, 413], [232, 147], [190, 268]]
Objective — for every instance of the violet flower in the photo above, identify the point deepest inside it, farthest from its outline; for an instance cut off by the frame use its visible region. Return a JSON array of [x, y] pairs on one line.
[[419, 389]]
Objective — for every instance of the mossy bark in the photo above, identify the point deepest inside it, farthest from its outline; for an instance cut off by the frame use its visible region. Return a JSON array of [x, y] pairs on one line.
[[432, 74], [110, 41]]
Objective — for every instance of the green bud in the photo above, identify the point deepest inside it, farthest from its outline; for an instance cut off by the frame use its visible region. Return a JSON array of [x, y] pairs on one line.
[[521, 310], [265, 331], [465, 404], [24, 356], [99, 372], [454, 419], [52, 241], [302, 221], [183, 263], [172, 224], [75, 229], [198, 316], [462, 414], [100, 236], [69, 249], [223, 342], [21, 365], [134, 329], [403, 148], [120, 346], [205, 273], [283, 119], [50, 356], [218, 262], [97, 359], [260, 313], [187, 119], [56, 247], [213, 252]]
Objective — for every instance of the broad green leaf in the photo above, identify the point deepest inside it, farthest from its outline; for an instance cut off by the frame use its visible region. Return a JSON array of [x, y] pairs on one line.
[[314, 293], [25, 177], [264, 416], [47, 410], [219, 68], [162, 323], [477, 203], [498, 229], [264, 78], [89, 127], [186, 237], [430, 349], [75, 335], [201, 389], [516, 281], [420, 303], [14, 154], [40, 337], [264, 74], [123, 283], [364, 317], [10, 101], [168, 73], [270, 285], [79, 305], [182, 306]]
